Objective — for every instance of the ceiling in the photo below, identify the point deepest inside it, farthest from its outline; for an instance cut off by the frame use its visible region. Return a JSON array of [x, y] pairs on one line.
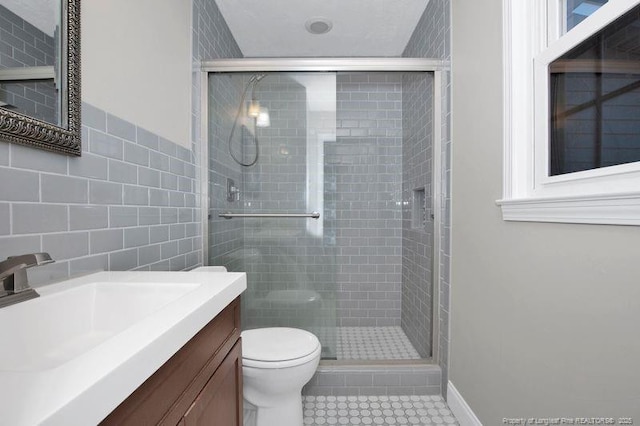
[[276, 28]]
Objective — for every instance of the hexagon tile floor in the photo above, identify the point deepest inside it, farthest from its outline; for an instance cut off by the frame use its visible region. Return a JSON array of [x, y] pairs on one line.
[[423, 410]]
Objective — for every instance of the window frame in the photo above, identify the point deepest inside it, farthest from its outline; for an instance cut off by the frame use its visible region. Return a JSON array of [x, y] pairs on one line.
[[532, 39]]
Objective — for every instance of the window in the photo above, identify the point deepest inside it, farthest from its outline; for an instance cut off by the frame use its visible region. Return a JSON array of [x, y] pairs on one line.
[[594, 95], [572, 120], [575, 11]]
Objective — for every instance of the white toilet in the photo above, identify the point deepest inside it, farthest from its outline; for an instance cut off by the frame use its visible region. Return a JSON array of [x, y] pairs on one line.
[[276, 363]]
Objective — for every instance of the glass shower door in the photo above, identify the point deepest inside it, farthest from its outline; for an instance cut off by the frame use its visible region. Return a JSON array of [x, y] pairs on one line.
[[267, 192]]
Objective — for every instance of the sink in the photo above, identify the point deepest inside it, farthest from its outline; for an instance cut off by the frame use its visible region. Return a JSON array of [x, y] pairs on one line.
[[72, 355], [53, 329]]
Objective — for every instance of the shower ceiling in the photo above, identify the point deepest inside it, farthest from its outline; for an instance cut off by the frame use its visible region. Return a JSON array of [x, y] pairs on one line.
[[276, 28]]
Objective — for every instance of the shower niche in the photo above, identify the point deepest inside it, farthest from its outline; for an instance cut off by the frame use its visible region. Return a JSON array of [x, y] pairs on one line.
[[419, 209], [353, 147]]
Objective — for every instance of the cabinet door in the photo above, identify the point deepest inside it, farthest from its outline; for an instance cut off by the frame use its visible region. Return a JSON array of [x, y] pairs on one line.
[[220, 402]]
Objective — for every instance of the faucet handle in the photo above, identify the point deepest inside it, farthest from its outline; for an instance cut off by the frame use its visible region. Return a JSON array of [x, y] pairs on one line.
[[37, 259], [13, 270], [13, 276]]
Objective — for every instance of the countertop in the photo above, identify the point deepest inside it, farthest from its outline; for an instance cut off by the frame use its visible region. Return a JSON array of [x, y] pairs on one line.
[[86, 389]]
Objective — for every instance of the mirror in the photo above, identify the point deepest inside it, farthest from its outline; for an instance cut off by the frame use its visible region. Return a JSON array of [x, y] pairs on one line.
[[40, 74]]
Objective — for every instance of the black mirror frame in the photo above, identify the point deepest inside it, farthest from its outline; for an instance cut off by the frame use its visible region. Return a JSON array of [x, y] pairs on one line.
[[22, 129]]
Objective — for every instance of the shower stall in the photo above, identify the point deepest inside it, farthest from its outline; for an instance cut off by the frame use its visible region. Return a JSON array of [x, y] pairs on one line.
[[322, 185]]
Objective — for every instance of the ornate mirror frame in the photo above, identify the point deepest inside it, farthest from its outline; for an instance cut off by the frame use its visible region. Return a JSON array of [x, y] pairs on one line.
[[22, 129]]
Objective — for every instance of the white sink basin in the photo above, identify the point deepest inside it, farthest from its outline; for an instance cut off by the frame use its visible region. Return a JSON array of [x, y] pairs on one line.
[[75, 353], [53, 329]]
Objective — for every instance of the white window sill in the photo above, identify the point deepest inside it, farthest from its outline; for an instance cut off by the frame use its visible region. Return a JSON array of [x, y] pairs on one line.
[[614, 209]]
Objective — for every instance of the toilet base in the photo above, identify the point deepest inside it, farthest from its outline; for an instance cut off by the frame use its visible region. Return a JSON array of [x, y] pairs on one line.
[[287, 413]]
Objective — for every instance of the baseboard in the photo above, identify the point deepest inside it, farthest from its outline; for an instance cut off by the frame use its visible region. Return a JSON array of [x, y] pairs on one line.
[[460, 408]]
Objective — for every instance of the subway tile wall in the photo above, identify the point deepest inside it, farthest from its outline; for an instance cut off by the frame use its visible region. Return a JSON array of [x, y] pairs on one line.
[[417, 222], [388, 379], [432, 39], [212, 39], [130, 201], [127, 203], [23, 45], [366, 165], [226, 237], [283, 256]]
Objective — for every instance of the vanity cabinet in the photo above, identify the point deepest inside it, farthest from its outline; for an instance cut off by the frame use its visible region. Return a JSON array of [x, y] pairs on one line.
[[200, 385]]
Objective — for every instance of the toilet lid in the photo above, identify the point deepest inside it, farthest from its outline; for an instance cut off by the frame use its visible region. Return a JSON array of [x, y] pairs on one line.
[[277, 344]]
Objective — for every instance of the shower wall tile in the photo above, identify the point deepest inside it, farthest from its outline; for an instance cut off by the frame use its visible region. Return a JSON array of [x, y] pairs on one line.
[[211, 39], [363, 168], [88, 217], [92, 166], [417, 223], [432, 39], [66, 245], [115, 152], [25, 185], [337, 380], [285, 254], [60, 205], [24, 157], [104, 145], [120, 128], [125, 216], [4, 155], [5, 218], [23, 45], [93, 117], [38, 218]]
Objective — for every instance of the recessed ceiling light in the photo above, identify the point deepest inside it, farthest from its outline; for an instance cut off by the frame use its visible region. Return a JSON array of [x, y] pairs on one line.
[[318, 25]]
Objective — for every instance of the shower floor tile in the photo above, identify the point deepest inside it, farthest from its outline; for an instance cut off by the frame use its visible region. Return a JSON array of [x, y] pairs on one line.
[[376, 410], [373, 343]]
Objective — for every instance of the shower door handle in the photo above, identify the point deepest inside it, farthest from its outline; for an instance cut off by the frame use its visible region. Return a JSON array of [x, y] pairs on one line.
[[312, 215]]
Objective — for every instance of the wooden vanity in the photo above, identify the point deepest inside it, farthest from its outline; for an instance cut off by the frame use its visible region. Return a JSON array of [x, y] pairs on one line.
[[200, 385]]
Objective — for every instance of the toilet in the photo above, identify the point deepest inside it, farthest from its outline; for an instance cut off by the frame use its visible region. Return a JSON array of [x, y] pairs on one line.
[[276, 363]]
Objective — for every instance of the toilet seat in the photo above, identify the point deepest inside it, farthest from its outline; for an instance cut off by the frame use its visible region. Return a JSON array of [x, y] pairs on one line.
[[278, 347]]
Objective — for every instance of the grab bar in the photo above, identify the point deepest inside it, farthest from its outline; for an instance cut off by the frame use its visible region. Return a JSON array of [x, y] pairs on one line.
[[229, 215]]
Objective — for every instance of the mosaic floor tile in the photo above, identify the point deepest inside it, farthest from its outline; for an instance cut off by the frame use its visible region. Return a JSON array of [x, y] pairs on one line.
[[373, 343], [422, 410]]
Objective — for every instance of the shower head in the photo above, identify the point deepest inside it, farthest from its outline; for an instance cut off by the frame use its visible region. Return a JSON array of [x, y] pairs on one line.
[[255, 78]]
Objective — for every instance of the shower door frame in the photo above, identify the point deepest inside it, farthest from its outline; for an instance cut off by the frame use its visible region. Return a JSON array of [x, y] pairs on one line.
[[254, 65]]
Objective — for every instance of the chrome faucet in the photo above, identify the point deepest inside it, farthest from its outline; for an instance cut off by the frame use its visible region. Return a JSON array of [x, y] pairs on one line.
[[13, 273]]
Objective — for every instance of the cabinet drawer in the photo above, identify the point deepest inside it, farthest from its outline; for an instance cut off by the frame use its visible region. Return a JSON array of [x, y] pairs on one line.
[[219, 403], [165, 396]]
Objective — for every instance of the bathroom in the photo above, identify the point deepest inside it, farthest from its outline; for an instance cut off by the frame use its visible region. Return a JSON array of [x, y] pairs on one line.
[[504, 312]]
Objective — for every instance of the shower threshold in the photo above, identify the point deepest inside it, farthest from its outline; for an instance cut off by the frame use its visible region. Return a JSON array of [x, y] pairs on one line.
[[379, 377]]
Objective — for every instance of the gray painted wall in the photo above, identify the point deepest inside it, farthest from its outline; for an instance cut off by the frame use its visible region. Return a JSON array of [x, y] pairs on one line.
[[545, 316]]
